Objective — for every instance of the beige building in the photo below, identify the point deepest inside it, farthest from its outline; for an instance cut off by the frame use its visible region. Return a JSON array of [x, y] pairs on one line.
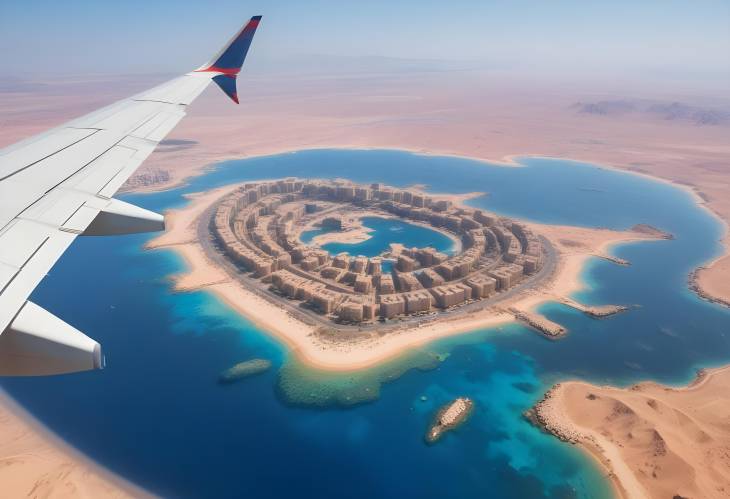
[[360, 265], [392, 305], [342, 261], [408, 282], [350, 311], [417, 301], [481, 285], [324, 300], [406, 263], [449, 295], [385, 285], [430, 278], [363, 284]]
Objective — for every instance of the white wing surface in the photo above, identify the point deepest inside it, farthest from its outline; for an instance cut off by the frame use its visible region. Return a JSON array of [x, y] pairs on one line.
[[59, 185]]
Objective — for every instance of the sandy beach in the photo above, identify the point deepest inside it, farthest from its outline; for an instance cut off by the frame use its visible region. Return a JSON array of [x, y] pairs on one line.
[[655, 441], [33, 463], [475, 115], [574, 246]]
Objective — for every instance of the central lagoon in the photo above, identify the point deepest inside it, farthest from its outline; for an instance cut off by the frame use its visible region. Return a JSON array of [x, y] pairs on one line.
[[383, 232], [158, 417]]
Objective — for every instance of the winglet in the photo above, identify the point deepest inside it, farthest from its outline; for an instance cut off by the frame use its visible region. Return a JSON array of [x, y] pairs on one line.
[[227, 63]]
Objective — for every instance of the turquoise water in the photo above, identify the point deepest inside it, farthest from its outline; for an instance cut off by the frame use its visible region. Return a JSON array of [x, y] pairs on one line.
[[384, 232], [158, 417]]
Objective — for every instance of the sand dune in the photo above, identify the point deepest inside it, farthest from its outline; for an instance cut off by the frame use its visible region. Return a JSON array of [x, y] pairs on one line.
[[657, 441]]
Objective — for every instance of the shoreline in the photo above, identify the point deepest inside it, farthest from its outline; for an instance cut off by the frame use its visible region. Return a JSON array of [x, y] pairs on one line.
[[57, 443], [352, 363], [617, 442], [58, 469], [210, 162], [509, 161], [573, 247], [360, 232]]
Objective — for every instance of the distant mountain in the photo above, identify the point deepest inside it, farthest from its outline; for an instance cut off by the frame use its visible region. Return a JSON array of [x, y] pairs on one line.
[[680, 111], [671, 111], [605, 107]]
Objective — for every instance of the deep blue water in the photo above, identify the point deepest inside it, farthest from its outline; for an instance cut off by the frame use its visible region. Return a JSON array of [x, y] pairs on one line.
[[384, 232], [157, 416]]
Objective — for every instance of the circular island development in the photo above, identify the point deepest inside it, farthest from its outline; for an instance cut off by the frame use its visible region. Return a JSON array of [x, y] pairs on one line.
[[257, 229]]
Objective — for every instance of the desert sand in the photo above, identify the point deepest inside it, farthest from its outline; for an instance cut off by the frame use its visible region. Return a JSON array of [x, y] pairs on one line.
[[655, 441], [470, 116], [477, 114], [35, 464], [574, 246]]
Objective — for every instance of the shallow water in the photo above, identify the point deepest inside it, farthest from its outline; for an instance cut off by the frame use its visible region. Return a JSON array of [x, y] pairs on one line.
[[158, 416]]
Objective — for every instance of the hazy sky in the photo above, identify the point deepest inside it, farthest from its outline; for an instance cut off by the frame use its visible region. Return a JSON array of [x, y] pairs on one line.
[[632, 36]]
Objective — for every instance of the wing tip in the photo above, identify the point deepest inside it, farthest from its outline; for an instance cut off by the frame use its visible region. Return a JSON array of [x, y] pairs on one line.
[[227, 83], [229, 61]]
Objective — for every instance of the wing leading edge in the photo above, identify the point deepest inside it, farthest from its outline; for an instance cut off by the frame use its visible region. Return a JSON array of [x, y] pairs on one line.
[[58, 185]]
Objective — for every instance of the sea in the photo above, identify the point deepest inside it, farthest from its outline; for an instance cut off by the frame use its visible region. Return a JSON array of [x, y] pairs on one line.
[[383, 232], [157, 416]]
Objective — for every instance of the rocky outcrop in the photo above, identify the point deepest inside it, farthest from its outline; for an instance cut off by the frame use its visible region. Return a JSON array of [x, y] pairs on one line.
[[449, 417]]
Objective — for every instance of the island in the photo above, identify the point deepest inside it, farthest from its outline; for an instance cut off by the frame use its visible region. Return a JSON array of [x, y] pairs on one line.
[[449, 417], [257, 228], [244, 242]]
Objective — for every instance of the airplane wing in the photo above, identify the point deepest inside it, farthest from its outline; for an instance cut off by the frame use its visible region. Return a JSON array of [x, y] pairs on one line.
[[59, 185]]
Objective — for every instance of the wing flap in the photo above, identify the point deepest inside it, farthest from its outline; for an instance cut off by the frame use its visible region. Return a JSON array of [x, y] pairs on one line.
[[14, 198], [50, 172], [32, 271], [143, 148], [55, 208], [20, 242], [96, 175], [80, 220], [7, 272], [28, 152]]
